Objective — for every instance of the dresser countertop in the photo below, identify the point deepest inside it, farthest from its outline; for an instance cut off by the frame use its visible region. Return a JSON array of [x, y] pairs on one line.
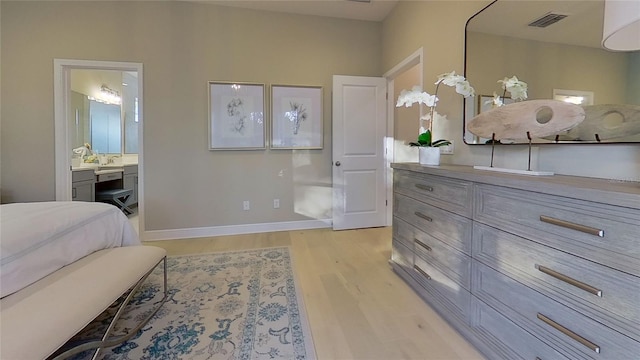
[[608, 191]]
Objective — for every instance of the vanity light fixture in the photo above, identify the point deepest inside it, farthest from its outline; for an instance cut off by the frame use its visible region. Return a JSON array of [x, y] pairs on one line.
[[621, 30], [107, 96], [135, 110], [110, 96]]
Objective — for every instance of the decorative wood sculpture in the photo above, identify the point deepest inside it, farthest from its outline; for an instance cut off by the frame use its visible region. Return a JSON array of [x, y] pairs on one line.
[[606, 121], [520, 120]]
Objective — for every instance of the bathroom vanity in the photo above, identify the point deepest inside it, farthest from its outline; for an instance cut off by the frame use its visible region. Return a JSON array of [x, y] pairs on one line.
[[523, 267], [86, 180]]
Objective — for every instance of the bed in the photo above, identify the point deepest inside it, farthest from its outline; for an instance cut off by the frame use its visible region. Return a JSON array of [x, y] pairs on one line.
[[61, 265]]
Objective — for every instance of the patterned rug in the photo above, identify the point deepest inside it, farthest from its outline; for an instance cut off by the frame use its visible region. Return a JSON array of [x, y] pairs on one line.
[[233, 305]]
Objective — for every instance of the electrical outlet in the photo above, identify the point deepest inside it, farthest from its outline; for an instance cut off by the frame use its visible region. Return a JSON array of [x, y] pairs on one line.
[[276, 203], [447, 150], [246, 205]]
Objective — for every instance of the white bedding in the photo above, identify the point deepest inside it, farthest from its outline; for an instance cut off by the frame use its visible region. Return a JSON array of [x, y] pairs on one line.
[[37, 239]]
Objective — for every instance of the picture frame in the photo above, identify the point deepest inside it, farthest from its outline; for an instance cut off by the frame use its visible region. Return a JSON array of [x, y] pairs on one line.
[[296, 117], [237, 118]]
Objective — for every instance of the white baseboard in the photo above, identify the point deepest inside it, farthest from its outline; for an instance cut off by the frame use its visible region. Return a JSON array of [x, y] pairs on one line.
[[153, 235]]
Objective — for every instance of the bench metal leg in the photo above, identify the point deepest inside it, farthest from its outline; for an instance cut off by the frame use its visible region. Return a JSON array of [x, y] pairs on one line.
[[104, 342]]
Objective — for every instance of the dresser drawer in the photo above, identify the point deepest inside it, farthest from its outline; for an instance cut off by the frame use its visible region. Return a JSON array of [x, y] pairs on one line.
[[452, 296], [569, 331], [506, 338], [452, 229], [110, 176], [451, 262], [610, 296], [449, 194], [598, 232], [402, 256], [83, 175], [130, 169]]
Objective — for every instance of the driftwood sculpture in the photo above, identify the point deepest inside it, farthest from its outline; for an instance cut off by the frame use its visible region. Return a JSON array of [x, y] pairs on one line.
[[526, 120]]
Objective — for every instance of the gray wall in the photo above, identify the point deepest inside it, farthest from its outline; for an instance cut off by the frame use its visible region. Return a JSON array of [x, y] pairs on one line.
[[182, 46]]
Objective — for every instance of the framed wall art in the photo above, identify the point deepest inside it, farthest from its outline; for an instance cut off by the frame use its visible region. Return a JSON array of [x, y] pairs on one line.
[[296, 117], [236, 116]]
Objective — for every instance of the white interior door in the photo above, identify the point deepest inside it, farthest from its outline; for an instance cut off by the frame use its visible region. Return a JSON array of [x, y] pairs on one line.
[[359, 131]]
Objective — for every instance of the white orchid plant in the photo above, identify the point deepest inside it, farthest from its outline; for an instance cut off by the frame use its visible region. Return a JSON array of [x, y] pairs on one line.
[[517, 89], [416, 95]]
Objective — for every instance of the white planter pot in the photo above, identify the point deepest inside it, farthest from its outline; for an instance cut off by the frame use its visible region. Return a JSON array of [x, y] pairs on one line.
[[429, 156]]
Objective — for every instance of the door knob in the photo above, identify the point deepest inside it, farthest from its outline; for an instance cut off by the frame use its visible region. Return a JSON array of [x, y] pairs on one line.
[[337, 163]]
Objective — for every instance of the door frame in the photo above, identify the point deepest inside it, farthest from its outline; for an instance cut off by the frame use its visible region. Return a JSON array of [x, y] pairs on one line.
[[416, 58], [61, 91]]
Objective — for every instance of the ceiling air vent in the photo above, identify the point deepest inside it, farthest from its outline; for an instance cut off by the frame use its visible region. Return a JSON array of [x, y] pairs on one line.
[[548, 19], [362, 1]]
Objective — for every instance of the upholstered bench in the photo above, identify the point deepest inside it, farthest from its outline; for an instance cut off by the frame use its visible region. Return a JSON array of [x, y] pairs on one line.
[[117, 197], [42, 317]]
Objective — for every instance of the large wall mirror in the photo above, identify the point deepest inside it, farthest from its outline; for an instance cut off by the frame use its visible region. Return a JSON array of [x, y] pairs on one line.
[[563, 61], [104, 110]]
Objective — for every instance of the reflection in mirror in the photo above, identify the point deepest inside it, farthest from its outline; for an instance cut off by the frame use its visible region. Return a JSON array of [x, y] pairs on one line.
[[104, 111], [104, 121], [563, 60]]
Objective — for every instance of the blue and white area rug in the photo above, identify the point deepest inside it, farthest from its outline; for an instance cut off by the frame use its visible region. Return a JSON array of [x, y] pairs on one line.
[[232, 305]]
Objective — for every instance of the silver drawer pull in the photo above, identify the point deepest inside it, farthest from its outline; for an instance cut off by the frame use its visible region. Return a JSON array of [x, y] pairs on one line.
[[423, 216], [569, 225], [427, 247], [569, 280], [416, 268], [569, 333], [424, 187]]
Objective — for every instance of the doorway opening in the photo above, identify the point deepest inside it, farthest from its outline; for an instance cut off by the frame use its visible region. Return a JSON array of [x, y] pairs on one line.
[[98, 107], [401, 121]]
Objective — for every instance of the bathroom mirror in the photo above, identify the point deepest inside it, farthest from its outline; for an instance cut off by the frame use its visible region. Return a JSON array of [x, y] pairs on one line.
[[561, 59], [104, 110]]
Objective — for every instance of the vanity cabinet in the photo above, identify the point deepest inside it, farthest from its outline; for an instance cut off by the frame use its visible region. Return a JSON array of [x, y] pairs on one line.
[[83, 185], [130, 182], [524, 267]]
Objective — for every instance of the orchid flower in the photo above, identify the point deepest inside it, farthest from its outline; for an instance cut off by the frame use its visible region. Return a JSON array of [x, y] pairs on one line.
[[517, 88], [458, 81], [416, 95]]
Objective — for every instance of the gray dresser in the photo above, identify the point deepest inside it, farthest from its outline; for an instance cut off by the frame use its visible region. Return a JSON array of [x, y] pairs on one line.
[[524, 267]]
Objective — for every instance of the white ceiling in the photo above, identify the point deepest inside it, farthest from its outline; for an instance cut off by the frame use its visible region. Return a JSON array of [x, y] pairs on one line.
[[375, 10], [583, 26]]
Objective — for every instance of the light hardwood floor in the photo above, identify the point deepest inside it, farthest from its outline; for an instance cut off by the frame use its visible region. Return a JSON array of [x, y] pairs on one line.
[[357, 307]]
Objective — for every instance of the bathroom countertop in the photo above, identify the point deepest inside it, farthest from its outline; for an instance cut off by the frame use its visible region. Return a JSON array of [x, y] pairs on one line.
[[85, 167], [109, 171], [97, 168]]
